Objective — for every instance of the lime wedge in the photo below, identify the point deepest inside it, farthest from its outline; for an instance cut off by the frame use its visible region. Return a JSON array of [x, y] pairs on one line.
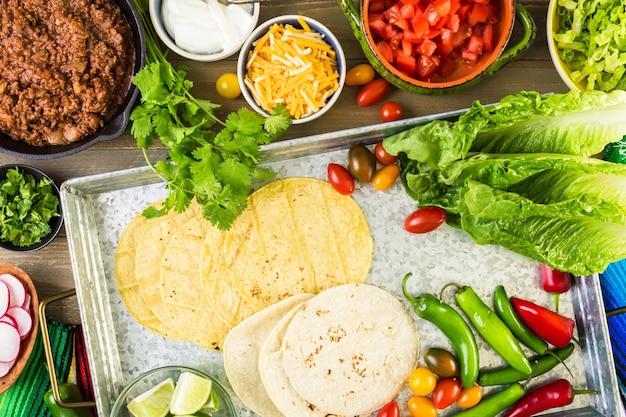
[[155, 402], [212, 405], [191, 393]]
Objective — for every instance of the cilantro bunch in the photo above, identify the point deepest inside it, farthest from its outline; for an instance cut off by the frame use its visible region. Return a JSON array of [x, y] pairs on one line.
[[26, 208], [216, 167]]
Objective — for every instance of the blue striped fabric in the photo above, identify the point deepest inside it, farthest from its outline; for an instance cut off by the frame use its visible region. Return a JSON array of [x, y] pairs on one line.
[[613, 285]]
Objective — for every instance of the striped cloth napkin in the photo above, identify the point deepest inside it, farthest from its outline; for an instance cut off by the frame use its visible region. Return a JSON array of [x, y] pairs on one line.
[[25, 397]]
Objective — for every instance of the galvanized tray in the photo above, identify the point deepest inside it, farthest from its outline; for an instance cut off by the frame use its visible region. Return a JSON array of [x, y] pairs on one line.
[[98, 207]]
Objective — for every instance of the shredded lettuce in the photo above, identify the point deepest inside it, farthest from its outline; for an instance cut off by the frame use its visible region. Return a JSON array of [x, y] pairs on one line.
[[591, 40], [520, 174]]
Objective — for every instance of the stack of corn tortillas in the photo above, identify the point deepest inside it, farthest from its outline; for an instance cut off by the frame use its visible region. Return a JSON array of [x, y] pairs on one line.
[[346, 351], [184, 279]]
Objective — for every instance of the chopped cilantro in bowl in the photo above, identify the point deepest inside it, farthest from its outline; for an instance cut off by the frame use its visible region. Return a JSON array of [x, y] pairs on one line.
[[30, 210]]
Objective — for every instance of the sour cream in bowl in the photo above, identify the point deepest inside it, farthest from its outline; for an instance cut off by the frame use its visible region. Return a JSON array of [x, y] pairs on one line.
[[203, 30]]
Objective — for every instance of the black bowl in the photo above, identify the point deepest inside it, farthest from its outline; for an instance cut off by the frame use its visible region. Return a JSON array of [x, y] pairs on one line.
[[55, 222], [113, 129]]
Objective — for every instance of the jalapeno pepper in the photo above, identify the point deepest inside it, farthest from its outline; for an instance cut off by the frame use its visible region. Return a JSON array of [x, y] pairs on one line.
[[450, 322], [523, 333], [557, 393], [541, 364], [547, 324], [69, 393], [492, 329], [495, 403], [555, 282]]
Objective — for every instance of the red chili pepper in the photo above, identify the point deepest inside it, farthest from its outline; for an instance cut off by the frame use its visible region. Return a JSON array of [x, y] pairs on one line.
[[557, 393], [547, 324], [555, 282]]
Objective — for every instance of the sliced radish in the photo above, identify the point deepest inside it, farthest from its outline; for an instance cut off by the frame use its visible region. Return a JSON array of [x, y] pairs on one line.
[[26, 304], [9, 319], [16, 289], [5, 367], [5, 298], [23, 319], [10, 346]]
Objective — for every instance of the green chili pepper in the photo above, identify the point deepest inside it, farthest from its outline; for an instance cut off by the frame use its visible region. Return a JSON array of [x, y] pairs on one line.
[[492, 329], [69, 393], [450, 322], [495, 403], [520, 330], [541, 365]]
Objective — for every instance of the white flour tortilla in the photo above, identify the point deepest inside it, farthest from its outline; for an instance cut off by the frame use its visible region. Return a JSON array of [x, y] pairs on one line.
[[241, 354], [350, 349]]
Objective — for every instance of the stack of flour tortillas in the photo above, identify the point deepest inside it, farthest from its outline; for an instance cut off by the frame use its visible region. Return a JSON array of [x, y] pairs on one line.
[[346, 351], [184, 279]]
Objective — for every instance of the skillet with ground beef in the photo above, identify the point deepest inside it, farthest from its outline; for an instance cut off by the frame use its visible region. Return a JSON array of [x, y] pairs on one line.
[[65, 68]]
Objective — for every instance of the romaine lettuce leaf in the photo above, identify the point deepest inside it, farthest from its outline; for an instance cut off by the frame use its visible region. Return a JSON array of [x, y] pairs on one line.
[[559, 234]]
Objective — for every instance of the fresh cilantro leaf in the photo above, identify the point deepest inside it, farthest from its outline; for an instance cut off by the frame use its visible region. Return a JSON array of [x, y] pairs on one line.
[[278, 122]]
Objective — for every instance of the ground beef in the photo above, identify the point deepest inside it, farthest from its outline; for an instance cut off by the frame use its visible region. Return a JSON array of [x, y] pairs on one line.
[[65, 67]]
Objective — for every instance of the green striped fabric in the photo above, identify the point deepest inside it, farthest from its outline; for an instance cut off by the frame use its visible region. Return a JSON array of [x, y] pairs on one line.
[[25, 397]]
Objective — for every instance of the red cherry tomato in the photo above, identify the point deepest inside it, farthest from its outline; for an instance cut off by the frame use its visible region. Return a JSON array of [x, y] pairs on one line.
[[390, 409], [383, 156], [424, 220], [340, 179], [390, 111], [385, 177], [447, 392], [373, 92]]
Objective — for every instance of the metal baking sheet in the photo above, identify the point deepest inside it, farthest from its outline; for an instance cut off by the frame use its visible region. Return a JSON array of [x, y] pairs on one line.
[[98, 207]]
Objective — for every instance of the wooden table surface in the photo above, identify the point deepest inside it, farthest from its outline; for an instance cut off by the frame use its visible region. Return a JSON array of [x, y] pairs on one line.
[[51, 268]]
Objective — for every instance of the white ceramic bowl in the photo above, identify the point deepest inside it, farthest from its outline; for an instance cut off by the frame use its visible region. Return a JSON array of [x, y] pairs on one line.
[[151, 378], [291, 20], [552, 24], [168, 40]]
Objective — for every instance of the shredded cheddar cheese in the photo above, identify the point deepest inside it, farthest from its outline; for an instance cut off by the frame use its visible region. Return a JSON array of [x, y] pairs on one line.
[[294, 67]]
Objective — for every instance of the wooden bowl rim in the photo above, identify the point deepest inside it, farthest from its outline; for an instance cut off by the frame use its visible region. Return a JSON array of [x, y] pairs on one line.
[[28, 343]]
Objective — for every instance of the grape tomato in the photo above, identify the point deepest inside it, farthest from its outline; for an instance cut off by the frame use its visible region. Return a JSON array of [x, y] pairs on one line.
[[441, 362], [447, 392], [372, 92], [421, 407], [340, 178], [227, 85], [360, 74], [425, 219], [361, 163], [383, 156], [390, 111], [469, 397], [422, 381], [390, 409], [385, 177]]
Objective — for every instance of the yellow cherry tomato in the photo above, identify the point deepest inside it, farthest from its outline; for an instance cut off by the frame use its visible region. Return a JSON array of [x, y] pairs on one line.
[[360, 74], [422, 381], [469, 397], [385, 177], [421, 407], [227, 85]]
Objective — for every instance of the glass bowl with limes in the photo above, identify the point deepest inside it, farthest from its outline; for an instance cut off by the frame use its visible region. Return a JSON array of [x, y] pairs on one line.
[[174, 391]]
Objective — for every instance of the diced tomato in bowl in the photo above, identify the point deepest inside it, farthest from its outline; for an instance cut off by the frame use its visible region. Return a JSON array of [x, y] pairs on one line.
[[432, 40]]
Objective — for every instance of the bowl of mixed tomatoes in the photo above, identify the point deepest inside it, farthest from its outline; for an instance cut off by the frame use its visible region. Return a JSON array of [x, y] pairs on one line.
[[438, 46]]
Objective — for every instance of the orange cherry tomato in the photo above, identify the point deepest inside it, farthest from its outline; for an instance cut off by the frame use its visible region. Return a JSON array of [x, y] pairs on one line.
[[390, 111], [425, 219], [422, 381], [340, 179], [447, 392], [469, 397], [421, 407], [382, 155], [360, 74], [385, 177], [372, 92]]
